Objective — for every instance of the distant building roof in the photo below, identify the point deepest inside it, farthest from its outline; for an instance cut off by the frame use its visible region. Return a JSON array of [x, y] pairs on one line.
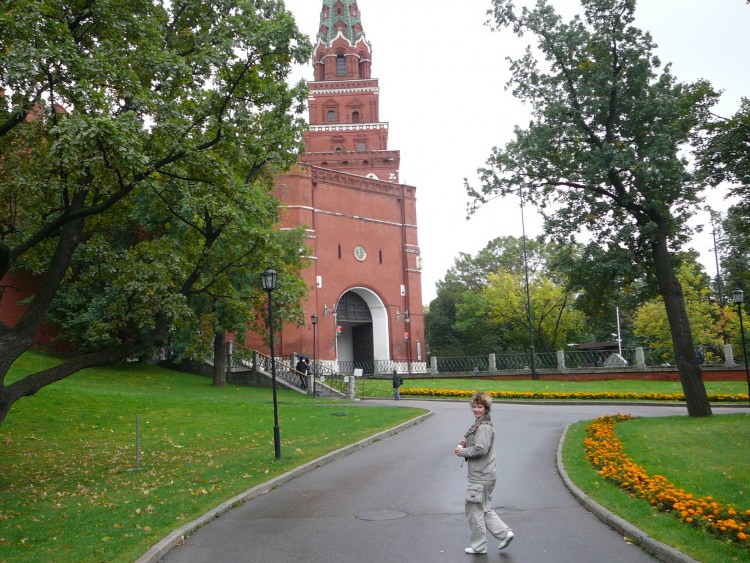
[[594, 346]]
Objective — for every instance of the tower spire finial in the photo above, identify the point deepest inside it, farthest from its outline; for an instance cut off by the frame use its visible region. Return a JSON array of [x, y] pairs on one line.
[[340, 16]]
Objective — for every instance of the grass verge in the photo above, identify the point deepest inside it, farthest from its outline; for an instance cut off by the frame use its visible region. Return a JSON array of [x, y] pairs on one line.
[[69, 489], [706, 456]]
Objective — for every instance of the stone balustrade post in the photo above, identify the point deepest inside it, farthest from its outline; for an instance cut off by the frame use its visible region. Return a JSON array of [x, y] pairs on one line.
[[640, 358], [729, 356]]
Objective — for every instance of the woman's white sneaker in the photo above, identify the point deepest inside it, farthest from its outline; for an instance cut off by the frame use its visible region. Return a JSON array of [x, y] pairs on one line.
[[505, 542]]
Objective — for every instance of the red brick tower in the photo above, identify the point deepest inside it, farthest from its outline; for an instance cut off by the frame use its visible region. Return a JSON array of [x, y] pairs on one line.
[[345, 129], [365, 279]]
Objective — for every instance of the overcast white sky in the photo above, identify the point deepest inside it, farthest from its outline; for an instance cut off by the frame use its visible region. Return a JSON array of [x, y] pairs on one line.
[[442, 76]]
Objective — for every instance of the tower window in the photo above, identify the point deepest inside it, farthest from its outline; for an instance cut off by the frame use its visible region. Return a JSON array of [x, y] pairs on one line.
[[340, 65], [361, 147], [355, 117], [331, 115]]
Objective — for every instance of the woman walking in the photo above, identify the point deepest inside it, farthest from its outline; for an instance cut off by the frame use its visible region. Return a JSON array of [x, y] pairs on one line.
[[478, 447]]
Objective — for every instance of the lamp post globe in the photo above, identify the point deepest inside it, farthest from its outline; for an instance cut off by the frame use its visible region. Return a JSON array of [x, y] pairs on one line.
[[738, 296], [268, 279]]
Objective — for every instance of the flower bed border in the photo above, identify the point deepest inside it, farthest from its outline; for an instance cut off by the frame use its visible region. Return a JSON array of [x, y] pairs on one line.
[[577, 395], [606, 454]]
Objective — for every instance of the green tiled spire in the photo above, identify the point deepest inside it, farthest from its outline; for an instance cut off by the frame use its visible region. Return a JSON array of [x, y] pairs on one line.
[[334, 14]]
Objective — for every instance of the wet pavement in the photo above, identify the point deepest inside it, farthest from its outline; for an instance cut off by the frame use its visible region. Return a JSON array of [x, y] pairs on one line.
[[401, 499]]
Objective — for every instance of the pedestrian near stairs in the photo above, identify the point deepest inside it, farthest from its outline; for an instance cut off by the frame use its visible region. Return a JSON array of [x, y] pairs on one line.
[[302, 367], [478, 447]]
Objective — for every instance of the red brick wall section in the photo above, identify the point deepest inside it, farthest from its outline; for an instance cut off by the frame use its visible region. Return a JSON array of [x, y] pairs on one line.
[[17, 287], [343, 211]]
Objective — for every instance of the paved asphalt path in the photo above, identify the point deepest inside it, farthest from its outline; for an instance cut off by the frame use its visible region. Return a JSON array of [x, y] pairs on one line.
[[401, 499]]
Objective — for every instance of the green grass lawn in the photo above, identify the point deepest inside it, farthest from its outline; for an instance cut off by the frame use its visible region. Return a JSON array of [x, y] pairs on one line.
[[68, 488], [703, 456]]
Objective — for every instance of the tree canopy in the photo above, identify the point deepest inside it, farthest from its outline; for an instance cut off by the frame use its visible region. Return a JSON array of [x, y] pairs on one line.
[[480, 307], [724, 159], [602, 152], [713, 323], [139, 142]]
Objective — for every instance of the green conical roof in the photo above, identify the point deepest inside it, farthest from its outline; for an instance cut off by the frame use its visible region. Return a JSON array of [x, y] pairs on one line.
[[334, 14]]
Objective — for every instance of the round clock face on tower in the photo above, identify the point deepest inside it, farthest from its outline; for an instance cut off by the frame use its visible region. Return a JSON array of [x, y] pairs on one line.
[[360, 253]]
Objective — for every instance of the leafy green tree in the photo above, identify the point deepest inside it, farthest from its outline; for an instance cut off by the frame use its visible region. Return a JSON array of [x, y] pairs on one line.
[[440, 318], [724, 159], [598, 278], [710, 322], [501, 254], [735, 248], [723, 154], [554, 319], [481, 303], [465, 280], [479, 333], [602, 151], [138, 190]]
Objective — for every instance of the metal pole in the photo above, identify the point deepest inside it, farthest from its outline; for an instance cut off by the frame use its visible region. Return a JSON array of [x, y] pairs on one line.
[[744, 349], [276, 433], [718, 269], [137, 442], [314, 320], [619, 338], [724, 335], [528, 294]]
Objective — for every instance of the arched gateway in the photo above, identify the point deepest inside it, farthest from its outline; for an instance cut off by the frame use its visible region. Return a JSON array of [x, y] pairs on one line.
[[362, 319]]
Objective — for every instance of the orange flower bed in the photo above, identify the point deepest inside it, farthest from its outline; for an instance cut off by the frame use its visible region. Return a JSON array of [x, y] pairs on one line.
[[605, 453]]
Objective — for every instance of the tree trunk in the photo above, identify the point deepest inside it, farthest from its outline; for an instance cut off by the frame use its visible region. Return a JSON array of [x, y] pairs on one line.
[[15, 341], [220, 360], [4, 260], [691, 374]]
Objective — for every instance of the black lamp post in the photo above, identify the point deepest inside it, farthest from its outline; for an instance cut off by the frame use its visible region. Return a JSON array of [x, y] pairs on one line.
[[269, 284], [314, 321], [739, 298], [528, 293]]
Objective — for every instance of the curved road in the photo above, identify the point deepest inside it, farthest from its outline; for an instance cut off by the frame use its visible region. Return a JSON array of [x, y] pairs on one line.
[[401, 499]]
